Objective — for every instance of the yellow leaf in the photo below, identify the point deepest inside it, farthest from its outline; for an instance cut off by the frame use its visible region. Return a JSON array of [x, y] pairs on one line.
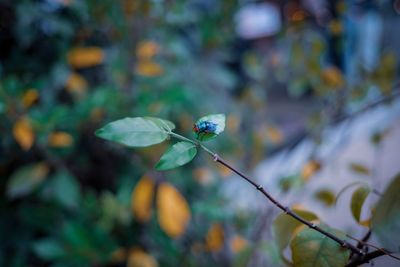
[[30, 97], [76, 84], [147, 50], [366, 223], [84, 57], [173, 210], [274, 135], [333, 77], [238, 243], [149, 68], [142, 199], [23, 133], [336, 27], [60, 139], [215, 238], [139, 258], [309, 169]]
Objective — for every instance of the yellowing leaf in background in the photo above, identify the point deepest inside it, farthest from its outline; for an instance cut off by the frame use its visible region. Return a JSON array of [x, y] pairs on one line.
[[147, 50], [172, 210], [274, 135], [149, 68], [30, 97], [76, 84], [139, 258], [238, 243], [60, 139], [84, 57], [333, 77], [215, 238], [142, 199], [23, 133], [309, 169]]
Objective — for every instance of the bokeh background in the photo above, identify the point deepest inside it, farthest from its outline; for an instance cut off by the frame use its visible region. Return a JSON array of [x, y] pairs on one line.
[[309, 89]]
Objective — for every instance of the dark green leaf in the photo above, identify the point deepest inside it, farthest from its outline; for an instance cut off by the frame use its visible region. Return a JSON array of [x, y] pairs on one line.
[[26, 179], [134, 132], [66, 190], [386, 217], [284, 226], [178, 155], [310, 248], [357, 201]]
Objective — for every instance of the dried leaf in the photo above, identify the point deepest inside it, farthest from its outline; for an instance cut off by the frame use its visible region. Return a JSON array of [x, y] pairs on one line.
[[142, 199], [30, 97], [84, 57], [60, 139], [147, 50], [172, 210], [274, 135], [333, 77], [76, 84], [139, 258], [23, 133], [309, 169], [215, 238], [238, 243], [149, 68]]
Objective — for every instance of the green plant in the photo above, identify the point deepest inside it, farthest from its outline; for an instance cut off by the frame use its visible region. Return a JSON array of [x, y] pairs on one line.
[[317, 245]]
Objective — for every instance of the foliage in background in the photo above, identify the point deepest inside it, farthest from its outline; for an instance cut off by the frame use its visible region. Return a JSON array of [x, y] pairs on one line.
[[69, 67]]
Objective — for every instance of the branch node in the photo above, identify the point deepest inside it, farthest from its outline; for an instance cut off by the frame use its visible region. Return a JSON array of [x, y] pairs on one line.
[[215, 157], [312, 225], [286, 210], [259, 187]]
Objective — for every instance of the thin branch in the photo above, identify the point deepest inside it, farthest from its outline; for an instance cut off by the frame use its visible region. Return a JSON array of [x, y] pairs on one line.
[[288, 211], [364, 243]]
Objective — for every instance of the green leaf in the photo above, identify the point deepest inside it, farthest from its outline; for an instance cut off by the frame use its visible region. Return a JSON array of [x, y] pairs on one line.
[[344, 189], [357, 201], [284, 226], [386, 216], [66, 190], [163, 124], [178, 155], [310, 248], [361, 169], [26, 179], [218, 120], [48, 249], [135, 132]]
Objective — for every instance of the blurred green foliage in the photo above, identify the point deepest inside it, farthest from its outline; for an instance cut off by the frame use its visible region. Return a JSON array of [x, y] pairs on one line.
[[68, 67]]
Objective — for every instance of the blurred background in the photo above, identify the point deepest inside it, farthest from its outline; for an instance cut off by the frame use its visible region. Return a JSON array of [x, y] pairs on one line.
[[309, 88]]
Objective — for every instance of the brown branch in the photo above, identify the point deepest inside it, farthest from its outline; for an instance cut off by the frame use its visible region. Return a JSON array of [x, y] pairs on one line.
[[373, 254], [288, 211]]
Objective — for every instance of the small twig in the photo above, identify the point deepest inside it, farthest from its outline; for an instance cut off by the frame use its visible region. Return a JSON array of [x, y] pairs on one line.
[[288, 211], [364, 243]]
